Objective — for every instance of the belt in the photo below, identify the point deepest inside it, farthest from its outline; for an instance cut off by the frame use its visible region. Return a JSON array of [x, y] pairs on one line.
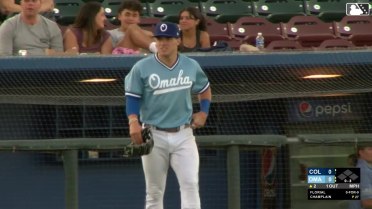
[[170, 130]]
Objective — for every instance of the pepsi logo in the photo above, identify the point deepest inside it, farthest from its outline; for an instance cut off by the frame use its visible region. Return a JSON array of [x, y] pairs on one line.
[[305, 109], [269, 166]]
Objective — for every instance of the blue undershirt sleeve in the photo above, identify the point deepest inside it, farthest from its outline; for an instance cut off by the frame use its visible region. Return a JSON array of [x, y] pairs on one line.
[[132, 105]]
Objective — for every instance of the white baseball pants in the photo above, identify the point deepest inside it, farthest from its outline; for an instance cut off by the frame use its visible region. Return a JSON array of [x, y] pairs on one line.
[[179, 150]]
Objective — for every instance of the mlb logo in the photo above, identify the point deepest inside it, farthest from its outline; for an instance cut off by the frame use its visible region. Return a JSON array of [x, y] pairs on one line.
[[357, 9]]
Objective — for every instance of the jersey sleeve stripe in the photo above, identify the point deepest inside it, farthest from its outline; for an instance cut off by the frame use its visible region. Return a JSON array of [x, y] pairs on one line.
[[204, 88], [133, 95]]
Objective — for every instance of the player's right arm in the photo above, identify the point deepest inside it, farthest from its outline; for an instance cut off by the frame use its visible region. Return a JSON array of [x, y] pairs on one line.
[[132, 110], [133, 94]]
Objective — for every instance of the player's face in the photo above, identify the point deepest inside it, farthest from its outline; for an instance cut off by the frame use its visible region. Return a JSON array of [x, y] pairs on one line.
[[129, 17], [366, 154], [100, 19], [30, 7], [167, 46]]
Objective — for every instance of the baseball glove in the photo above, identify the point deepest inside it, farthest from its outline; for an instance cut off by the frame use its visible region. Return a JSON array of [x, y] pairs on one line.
[[137, 150]]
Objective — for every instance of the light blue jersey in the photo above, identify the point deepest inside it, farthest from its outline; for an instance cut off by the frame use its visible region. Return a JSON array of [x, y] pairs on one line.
[[365, 184], [165, 92]]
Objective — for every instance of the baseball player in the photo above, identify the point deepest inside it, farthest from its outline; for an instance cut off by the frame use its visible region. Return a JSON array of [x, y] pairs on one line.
[[159, 88]]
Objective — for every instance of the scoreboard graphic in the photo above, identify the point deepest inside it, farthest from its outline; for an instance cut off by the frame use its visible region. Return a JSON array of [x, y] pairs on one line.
[[333, 183]]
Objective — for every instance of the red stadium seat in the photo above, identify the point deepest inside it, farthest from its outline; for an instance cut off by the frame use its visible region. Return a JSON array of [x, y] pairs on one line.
[[284, 44], [246, 28], [149, 23], [217, 31], [336, 44], [357, 29], [310, 31], [232, 42]]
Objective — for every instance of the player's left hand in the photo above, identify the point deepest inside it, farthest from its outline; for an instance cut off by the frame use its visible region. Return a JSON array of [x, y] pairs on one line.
[[199, 119]]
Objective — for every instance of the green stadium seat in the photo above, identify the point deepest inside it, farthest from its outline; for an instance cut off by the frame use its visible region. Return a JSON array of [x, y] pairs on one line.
[[310, 31], [327, 10], [356, 29], [246, 29], [279, 10], [66, 10], [86, 1], [224, 11], [168, 10]]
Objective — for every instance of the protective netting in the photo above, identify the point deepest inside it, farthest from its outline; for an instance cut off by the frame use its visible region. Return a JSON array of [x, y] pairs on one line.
[[252, 94]]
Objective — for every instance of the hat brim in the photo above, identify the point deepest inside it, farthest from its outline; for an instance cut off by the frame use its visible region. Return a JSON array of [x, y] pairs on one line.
[[166, 36]]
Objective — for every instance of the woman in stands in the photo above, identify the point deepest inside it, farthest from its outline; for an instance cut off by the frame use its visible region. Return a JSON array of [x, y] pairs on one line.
[[87, 35], [194, 33]]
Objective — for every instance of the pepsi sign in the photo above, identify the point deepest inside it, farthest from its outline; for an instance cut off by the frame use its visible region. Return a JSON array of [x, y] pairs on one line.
[[323, 110]]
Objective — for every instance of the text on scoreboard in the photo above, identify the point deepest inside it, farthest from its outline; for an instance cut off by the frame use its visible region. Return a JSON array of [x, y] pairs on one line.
[[333, 183]]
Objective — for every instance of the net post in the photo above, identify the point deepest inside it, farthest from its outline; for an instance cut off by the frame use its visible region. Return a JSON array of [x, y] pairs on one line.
[[70, 164], [233, 177]]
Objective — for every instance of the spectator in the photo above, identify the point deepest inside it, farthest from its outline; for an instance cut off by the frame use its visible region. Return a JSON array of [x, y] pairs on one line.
[[30, 31], [194, 33], [11, 7], [129, 37], [364, 154], [352, 159], [88, 34]]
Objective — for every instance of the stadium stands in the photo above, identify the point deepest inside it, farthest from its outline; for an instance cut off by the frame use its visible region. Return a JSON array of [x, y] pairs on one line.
[[168, 10], [224, 11], [310, 31], [148, 23], [336, 44], [218, 31], [327, 10], [111, 10], [66, 10], [246, 28], [279, 10], [232, 42], [283, 45], [310, 23], [356, 29]]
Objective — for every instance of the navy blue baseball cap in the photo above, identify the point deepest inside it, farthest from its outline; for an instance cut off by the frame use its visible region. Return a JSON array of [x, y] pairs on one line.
[[167, 29]]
